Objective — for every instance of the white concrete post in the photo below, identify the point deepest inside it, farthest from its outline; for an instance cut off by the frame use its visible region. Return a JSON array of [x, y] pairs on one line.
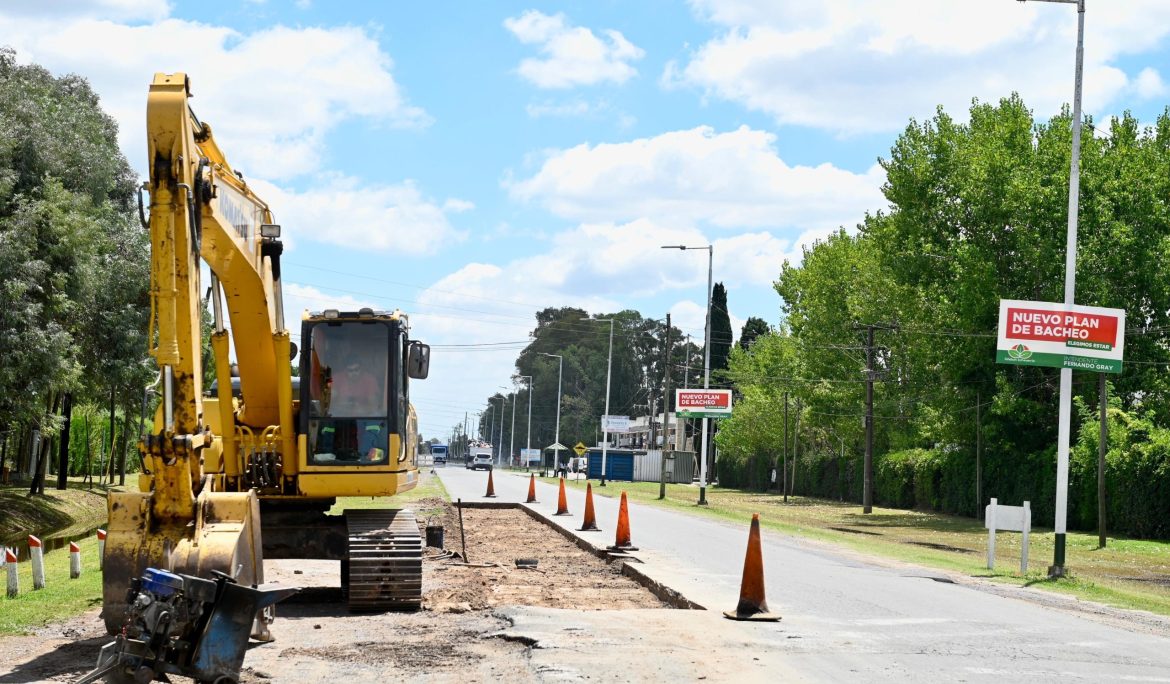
[[36, 553], [990, 522], [13, 578], [101, 548], [1024, 540], [74, 560]]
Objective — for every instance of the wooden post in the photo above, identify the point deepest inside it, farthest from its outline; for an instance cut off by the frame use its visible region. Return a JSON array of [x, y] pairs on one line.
[[36, 553], [665, 413]]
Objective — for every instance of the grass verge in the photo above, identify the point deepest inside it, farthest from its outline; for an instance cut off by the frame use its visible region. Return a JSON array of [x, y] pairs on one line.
[[57, 513], [429, 487], [1128, 573], [60, 599]]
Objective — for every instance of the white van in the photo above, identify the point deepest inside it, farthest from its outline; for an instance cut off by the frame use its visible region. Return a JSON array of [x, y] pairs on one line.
[[479, 458]]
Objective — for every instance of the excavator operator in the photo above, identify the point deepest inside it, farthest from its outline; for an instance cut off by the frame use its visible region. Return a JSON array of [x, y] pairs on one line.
[[357, 403]]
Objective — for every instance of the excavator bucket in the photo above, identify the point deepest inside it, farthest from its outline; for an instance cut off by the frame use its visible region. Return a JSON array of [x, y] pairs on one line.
[[224, 536]]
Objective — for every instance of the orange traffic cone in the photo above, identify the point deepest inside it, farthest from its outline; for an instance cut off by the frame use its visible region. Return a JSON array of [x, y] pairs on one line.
[[622, 543], [491, 490], [590, 522], [752, 605], [531, 489], [562, 502]]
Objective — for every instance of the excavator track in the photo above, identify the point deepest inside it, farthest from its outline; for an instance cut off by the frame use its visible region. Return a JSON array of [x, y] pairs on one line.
[[384, 567]]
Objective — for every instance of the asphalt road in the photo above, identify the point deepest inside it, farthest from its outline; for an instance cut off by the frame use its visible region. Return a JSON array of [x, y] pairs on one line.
[[849, 618]]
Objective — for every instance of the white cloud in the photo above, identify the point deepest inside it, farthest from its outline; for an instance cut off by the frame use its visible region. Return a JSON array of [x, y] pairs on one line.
[[574, 108], [271, 95], [1149, 84], [684, 177], [573, 55], [119, 10], [850, 66], [345, 211]]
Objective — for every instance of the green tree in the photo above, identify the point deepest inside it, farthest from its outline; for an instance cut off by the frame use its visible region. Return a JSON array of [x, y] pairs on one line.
[[753, 327], [721, 335], [72, 261]]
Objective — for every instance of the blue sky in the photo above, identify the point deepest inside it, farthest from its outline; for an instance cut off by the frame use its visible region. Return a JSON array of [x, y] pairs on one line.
[[472, 162]]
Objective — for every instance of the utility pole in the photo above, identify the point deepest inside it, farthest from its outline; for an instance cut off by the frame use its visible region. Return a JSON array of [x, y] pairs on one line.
[[979, 510], [1064, 425], [870, 374], [867, 493], [784, 474], [666, 412], [795, 450]]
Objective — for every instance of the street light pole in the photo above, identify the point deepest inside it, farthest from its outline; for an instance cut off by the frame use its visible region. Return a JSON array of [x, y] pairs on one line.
[[528, 442], [500, 451], [706, 365], [557, 439], [608, 373], [1070, 285], [512, 433]]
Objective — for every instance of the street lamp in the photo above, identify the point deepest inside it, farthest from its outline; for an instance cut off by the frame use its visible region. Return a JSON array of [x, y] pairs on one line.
[[528, 443], [1070, 286], [557, 439], [503, 403], [608, 372], [706, 365], [512, 433]]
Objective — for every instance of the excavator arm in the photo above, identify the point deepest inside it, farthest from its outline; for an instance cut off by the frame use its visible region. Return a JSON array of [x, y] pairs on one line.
[[191, 515]]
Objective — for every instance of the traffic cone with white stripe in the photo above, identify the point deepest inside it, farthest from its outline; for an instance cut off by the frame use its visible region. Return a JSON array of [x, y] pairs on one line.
[[752, 605]]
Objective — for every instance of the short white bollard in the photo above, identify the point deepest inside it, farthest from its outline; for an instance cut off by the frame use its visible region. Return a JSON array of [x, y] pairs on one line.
[[13, 578], [1009, 518], [74, 560], [101, 548], [36, 553]]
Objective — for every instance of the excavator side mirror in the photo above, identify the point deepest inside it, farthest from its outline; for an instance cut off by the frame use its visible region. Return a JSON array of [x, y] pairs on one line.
[[418, 360]]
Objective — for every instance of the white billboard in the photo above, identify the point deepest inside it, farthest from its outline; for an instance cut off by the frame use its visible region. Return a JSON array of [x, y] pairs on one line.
[[615, 424]]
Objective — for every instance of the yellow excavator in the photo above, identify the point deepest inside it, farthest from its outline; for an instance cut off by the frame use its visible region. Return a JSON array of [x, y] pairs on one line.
[[249, 471]]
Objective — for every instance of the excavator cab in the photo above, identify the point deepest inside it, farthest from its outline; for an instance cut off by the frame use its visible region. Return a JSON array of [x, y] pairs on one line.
[[355, 412], [349, 417]]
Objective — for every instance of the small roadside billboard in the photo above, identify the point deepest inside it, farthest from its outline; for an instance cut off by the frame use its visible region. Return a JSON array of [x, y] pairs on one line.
[[1056, 335], [703, 403]]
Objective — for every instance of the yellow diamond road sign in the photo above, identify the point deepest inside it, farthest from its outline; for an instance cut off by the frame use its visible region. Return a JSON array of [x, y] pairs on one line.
[[580, 449]]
